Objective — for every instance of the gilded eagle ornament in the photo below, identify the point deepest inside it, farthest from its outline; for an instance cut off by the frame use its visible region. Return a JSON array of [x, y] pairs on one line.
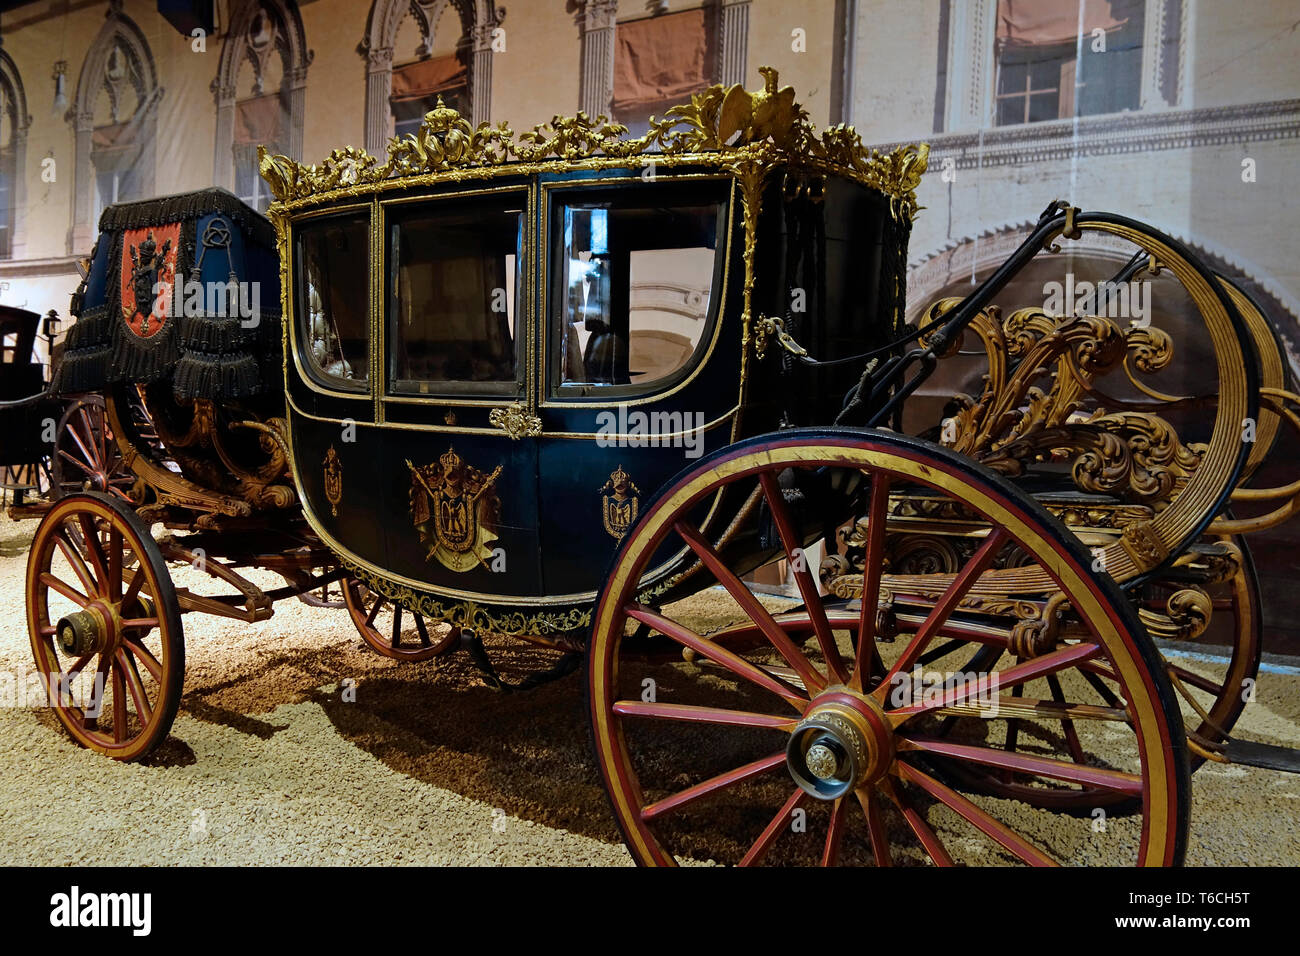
[[618, 511], [454, 507]]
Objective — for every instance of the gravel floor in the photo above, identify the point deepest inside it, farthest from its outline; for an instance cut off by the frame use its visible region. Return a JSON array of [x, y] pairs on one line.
[[267, 763]]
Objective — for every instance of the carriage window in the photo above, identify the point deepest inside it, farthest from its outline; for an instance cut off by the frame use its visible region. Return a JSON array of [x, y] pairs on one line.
[[334, 299], [636, 281], [453, 292]]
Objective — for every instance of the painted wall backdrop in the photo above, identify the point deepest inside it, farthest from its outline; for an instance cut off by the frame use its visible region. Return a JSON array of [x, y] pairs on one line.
[[1184, 113]]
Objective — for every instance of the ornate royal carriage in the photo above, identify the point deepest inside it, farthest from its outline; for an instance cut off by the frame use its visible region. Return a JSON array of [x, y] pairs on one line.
[[566, 385]]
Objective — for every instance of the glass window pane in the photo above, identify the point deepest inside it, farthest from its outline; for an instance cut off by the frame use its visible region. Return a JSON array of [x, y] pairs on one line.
[[1044, 106], [1011, 77], [636, 284], [453, 298], [333, 299]]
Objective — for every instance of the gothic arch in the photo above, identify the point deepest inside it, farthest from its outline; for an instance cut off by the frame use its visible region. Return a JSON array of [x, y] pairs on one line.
[[287, 40], [118, 35], [478, 18], [14, 99]]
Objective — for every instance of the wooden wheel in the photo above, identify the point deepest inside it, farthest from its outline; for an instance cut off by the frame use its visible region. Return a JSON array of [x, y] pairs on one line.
[[1212, 693], [104, 624], [384, 626], [86, 455], [804, 738]]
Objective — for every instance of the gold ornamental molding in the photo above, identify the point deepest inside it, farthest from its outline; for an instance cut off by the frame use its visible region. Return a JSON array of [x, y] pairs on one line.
[[516, 421], [728, 123]]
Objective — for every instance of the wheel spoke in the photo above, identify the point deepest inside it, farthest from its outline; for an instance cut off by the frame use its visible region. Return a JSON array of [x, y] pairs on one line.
[[1064, 657], [943, 608], [131, 675], [397, 625], [751, 606], [929, 839], [773, 829], [67, 590], [94, 551], [835, 832], [873, 561], [89, 455], [875, 825], [719, 655], [1207, 684], [119, 706], [114, 564], [1008, 838], [146, 657], [133, 589], [1026, 763], [1067, 725], [712, 785], [808, 589], [374, 610], [75, 559], [692, 713], [422, 631]]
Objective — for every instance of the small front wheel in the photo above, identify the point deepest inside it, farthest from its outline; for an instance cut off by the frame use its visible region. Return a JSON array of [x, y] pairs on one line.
[[105, 626]]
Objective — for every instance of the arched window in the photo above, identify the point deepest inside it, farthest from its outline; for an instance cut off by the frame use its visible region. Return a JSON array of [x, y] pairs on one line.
[[114, 116], [13, 158], [260, 90], [419, 50]]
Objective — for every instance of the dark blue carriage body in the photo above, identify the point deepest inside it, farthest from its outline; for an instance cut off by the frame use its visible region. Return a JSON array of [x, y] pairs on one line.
[[182, 290], [487, 476]]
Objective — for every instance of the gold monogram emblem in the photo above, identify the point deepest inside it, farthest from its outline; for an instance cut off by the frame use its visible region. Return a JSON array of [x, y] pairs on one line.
[[454, 506], [619, 510], [333, 480]]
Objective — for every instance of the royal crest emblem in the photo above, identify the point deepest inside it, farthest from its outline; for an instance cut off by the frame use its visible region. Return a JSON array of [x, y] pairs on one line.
[[333, 480], [619, 510], [148, 277], [455, 508]]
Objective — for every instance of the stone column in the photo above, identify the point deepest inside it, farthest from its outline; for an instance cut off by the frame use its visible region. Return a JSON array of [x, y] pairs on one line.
[[480, 75], [733, 41], [971, 65], [379, 91], [597, 21], [81, 237], [18, 189], [297, 111], [223, 159]]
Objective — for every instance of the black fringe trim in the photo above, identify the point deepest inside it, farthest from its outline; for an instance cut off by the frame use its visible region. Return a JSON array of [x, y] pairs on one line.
[[190, 206], [143, 360], [216, 376]]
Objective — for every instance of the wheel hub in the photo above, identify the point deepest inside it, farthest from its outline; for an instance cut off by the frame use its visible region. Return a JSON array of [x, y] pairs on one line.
[[88, 631], [842, 743]]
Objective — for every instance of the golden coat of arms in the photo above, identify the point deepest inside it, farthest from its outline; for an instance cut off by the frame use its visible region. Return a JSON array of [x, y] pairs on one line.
[[619, 510], [454, 506], [333, 480]]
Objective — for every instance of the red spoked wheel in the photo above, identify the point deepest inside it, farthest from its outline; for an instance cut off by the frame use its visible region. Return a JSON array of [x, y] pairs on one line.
[[801, 738], [86, 455], [1212, 691], [105, 626], [384, 626]]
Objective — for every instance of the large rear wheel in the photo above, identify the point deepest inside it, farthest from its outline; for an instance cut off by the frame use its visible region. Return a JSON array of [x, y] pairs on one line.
[[810, 736]]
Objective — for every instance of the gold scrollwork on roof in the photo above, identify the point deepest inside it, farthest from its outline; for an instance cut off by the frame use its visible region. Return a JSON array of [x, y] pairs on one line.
[[740, 125]]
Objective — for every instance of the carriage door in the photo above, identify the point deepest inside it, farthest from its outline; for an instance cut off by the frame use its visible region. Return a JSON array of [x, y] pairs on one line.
[[462, 512], [641, 372]]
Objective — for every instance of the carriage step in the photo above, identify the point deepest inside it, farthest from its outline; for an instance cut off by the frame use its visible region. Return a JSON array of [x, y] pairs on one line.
[[1252, 754]]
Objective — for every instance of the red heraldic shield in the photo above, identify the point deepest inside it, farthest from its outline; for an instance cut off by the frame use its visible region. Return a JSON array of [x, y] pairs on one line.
[[149, 277]]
